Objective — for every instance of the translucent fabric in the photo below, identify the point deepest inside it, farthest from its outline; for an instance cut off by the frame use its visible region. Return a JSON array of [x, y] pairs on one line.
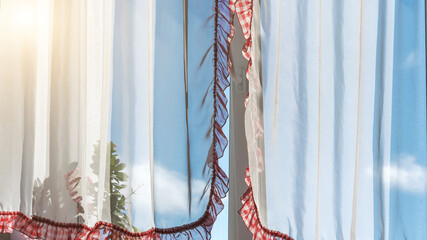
[[111, 116], [344, 111]]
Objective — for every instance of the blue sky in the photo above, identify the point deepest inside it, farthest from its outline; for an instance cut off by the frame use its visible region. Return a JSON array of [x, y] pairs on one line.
[[220, 229], [408, 199], [130, 121]]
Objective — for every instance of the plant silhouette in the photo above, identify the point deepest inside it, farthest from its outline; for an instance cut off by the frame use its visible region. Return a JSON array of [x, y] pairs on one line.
[[115, 183]]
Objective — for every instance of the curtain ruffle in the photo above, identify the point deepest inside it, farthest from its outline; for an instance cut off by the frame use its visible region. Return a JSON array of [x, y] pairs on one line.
[[42, 228], [243, 10], [249, 214]]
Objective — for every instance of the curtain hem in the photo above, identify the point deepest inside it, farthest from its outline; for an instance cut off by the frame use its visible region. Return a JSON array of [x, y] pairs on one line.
[[42, 228], [250, 216]]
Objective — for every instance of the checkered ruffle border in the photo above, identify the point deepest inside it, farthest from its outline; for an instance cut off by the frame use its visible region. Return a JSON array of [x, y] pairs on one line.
[[249, 214]]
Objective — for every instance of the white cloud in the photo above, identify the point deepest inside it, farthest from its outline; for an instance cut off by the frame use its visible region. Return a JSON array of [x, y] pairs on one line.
[[171, 193], [412, 60], [407, 175], [141, 199]]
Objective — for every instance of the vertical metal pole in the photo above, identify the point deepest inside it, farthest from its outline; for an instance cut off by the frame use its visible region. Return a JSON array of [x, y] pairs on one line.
[[185, 41], [238, 147]]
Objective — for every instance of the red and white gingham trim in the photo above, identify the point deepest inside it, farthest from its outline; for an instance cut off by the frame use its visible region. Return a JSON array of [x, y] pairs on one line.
[[249, 214], [243, 9]]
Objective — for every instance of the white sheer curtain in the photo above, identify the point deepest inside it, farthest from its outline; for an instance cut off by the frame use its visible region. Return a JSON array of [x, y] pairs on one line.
[[344, 110], [55, 77], [111, 116]]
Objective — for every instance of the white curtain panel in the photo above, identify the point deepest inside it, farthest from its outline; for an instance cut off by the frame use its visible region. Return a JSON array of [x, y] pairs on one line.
[[55, 75], [111, 116], [344, 111]]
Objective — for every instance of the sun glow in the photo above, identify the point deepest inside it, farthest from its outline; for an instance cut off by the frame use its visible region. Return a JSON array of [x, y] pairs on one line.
[[25, 17], [19, 16]]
